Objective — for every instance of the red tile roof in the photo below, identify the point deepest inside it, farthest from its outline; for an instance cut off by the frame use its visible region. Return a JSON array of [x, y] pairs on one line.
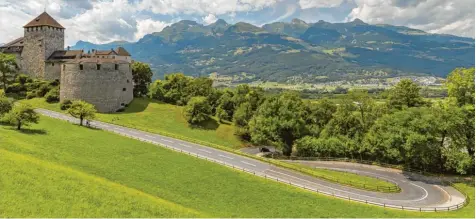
[[44, 19]]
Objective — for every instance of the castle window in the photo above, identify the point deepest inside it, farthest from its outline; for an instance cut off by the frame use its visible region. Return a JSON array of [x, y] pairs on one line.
[[52, 64], [116, 66], [124, 89], [64, 67], [98, 67], [123, 104], [128, 81], [81, 67]]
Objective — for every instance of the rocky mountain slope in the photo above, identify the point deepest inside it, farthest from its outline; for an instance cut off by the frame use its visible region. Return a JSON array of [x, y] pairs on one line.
[[297, 51]]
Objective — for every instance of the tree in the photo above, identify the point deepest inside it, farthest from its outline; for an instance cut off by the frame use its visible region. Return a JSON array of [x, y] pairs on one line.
[[156, 91], [142, 76], [318, 114], [460, 83], [8, 67], [241, 118], [411, 137], [22, 115], [320, 147], [174, 87], [5, 105], [279, 120], [226, 106], [82, 110], [405, 94], [197, 110], [198, 87]]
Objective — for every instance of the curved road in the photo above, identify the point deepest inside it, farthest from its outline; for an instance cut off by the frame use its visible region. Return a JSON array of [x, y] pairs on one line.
[[416, 193]]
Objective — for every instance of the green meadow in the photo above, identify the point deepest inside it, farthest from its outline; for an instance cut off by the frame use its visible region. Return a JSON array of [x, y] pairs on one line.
[[57, 169]]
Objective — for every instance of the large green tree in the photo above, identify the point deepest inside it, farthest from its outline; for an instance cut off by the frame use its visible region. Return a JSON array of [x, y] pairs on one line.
[[22, 115], [405, 94], [460, 83], [280, 121], [174, 87], [82, 110], [142, 76], [197, 110], [8, 68], [226, 106]]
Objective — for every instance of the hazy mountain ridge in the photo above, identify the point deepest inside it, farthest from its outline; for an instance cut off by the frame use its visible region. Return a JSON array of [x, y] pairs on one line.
[[298, 51]]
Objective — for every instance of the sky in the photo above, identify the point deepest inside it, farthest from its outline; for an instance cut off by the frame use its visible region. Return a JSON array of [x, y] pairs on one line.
[[103, 21]]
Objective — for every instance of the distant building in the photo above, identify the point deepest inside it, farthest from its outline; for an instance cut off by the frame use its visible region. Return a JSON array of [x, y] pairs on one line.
[[102, 78]]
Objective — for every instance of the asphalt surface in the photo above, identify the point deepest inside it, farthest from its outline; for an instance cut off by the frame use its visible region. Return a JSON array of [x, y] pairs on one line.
[[416, 192]]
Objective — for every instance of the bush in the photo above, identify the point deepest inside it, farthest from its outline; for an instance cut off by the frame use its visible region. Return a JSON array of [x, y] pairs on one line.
[[65, 104], [30, 94], [43, 90], [55, 83], [52, 96], [16, 88]]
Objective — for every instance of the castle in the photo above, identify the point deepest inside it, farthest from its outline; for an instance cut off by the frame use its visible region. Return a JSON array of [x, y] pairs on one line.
[[102, 78]]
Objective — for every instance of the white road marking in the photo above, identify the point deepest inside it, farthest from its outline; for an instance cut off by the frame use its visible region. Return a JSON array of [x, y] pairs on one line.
[[248, 163], [205, 151], [231, 158], [447, 193], [169, 141], [188, 146], [148, 136]]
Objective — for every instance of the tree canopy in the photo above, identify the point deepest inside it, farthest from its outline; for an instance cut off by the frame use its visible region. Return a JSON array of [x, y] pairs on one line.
[[142, 77], [82, 110]]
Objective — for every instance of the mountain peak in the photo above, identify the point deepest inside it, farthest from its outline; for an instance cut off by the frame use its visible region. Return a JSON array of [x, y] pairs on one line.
[[220, 22], [298, 21], [358, 21]]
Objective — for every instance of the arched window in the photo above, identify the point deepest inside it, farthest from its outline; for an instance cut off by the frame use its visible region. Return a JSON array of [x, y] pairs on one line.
[[81, 67]]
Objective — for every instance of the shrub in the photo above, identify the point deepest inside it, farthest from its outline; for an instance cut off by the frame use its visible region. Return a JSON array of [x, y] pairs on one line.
[[43, 90], [65, 104], [52, 96], [16, 88], [30, 94], [55, 83]]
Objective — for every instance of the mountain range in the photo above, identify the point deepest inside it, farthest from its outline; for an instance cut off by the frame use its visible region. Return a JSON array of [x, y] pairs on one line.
[[297, 51]]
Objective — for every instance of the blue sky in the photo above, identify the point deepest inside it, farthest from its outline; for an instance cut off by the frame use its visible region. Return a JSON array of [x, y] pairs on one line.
[[102, 21]]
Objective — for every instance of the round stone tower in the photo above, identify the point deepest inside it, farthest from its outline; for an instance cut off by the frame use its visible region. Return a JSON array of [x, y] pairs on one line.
[[105, 83], [42, 36]]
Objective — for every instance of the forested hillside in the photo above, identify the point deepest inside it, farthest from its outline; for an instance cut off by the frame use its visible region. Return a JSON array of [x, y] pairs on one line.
[[297, 51]]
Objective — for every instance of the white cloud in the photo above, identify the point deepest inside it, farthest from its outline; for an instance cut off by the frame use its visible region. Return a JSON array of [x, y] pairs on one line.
[[203, 7], [436, 16], [306, 4], [102, 21], [209, 19], [148, 26]]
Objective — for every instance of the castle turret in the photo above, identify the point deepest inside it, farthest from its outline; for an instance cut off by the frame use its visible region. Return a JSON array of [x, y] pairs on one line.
[[42, 36]]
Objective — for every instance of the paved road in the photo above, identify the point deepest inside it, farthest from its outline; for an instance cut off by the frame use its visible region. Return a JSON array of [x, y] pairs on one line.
[[415, 193]]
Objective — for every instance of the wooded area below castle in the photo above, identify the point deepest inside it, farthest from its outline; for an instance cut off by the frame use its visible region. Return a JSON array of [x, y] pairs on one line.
[[406, 129]]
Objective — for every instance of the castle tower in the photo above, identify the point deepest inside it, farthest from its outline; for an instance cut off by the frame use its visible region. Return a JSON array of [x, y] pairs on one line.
[[42, 36]]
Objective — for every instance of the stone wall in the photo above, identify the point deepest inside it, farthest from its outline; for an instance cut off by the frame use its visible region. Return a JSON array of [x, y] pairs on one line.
[[39, 43], [107, 89], [52, 71]]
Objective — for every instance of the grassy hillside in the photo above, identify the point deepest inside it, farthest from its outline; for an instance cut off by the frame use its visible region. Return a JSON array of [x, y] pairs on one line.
[[161, 118], [56, 169]]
